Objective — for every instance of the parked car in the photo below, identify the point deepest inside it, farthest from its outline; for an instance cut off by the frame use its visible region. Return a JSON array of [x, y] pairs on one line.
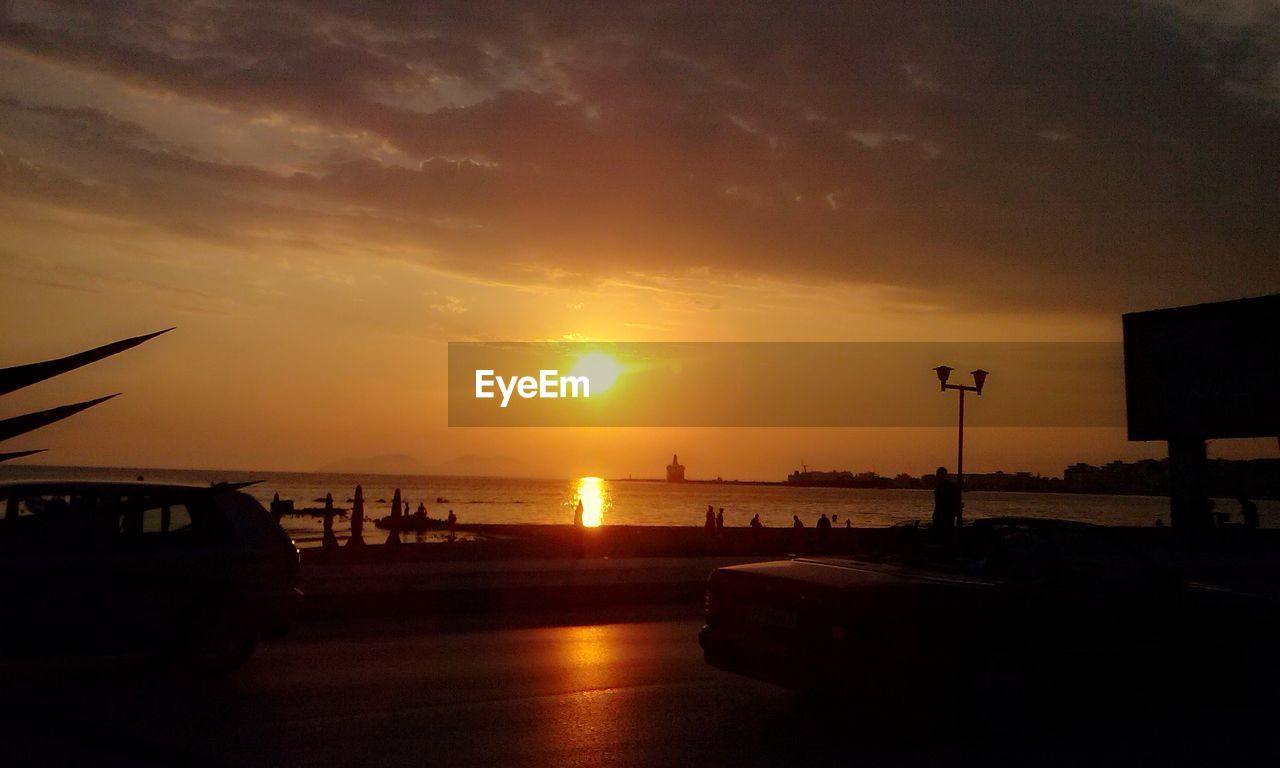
[[1016, 609], [198, 572]]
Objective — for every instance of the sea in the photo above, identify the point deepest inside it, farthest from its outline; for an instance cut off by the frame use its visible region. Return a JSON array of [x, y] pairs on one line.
[[625, 502]]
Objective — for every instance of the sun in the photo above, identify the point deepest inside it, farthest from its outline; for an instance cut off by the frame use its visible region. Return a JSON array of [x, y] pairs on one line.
[[600, 368], [591, 496]]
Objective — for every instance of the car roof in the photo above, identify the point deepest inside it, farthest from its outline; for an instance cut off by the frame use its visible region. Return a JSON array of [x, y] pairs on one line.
[[91, 486], [1040, 522]]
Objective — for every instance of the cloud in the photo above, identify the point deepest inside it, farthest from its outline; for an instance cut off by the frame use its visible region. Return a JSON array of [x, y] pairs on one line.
[[49, 273], [1086, 156], [450, 304]]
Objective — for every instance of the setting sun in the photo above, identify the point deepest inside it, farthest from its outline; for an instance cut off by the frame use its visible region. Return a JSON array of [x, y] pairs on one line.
[[591, 494], [600, 368]]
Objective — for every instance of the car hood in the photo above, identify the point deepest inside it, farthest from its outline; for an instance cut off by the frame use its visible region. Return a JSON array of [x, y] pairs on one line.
[[840, 573]]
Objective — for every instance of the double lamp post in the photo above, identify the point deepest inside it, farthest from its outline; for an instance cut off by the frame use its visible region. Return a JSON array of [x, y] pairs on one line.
[[979, 378]]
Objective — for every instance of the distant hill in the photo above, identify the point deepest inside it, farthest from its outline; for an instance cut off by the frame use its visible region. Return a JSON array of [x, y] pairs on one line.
[[404, 464], [385, 464], [483, 466]]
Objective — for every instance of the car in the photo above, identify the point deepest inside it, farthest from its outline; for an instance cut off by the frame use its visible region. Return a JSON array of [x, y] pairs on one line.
[[1013, 611], [199, 573]]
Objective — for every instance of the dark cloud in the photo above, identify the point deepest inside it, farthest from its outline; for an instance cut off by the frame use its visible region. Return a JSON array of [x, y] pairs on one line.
[[1082, 155]]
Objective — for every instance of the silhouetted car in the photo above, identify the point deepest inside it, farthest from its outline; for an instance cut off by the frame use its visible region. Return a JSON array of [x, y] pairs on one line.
[[200, 572], [1019, 608]]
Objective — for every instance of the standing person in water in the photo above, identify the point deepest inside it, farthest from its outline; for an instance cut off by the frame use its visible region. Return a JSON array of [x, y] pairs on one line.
[[711, 517], [796, 522], [720, 518], [579, 543], [330, 541], [357, 519]]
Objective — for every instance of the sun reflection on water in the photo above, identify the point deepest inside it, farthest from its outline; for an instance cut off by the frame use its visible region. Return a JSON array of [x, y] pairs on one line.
[[593, 494]]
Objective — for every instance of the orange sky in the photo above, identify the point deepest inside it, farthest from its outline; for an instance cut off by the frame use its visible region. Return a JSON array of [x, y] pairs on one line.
[[320, 198]]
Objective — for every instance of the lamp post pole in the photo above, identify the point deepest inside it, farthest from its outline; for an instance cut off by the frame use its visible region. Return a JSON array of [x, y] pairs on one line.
[[979, 379], [960, 455]]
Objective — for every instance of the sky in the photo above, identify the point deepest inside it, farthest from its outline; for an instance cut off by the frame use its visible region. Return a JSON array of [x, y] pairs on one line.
[[322, 195]]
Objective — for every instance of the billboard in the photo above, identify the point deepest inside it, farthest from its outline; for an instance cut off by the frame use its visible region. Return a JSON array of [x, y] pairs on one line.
[[1204, 371]]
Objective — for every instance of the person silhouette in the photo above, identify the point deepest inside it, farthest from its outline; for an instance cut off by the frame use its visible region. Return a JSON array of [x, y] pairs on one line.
[[823, 527], [579, 542], [796, 522], [1248, 512], [394, 523], [711, 517], [720, 518], [421, 514], [452, 522], [755, 522], [946, 502], [330, 541], [357, 519]]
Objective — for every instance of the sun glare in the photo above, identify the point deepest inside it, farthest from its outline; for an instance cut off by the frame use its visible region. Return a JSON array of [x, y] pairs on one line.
[[591, 494], [600, 368]]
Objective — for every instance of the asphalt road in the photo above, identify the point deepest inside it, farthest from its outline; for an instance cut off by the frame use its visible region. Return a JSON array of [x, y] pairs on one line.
[[620, 694]]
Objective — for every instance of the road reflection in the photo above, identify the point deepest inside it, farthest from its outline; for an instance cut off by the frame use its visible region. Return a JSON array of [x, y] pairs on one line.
[[591, 718]]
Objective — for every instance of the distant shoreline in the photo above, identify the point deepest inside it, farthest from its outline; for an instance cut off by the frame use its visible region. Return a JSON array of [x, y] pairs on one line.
[[664, 481], [8, 471], [848, 487]]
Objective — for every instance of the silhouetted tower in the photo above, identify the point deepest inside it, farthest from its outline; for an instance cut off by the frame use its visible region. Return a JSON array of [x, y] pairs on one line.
[[675, 470]]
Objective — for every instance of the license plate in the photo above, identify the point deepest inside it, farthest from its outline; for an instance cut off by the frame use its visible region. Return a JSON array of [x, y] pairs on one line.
[[770, 616]]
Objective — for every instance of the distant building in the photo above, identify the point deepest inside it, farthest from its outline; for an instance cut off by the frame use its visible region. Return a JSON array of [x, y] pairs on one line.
[[675, 470], [838, 479], [1148, 476]]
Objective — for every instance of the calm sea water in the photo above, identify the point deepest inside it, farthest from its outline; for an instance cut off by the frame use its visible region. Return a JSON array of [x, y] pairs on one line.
[[512, 500]]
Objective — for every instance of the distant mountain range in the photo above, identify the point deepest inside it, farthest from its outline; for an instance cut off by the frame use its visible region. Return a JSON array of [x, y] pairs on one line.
[[403, 464]]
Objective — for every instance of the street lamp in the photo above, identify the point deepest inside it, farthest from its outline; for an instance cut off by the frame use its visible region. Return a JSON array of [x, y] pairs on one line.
[[979, 379]]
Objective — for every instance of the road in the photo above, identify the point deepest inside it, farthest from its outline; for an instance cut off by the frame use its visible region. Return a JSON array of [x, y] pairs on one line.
[[619, 694]]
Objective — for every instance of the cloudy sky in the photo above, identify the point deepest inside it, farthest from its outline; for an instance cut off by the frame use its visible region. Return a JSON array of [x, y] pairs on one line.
[[321, 195]]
